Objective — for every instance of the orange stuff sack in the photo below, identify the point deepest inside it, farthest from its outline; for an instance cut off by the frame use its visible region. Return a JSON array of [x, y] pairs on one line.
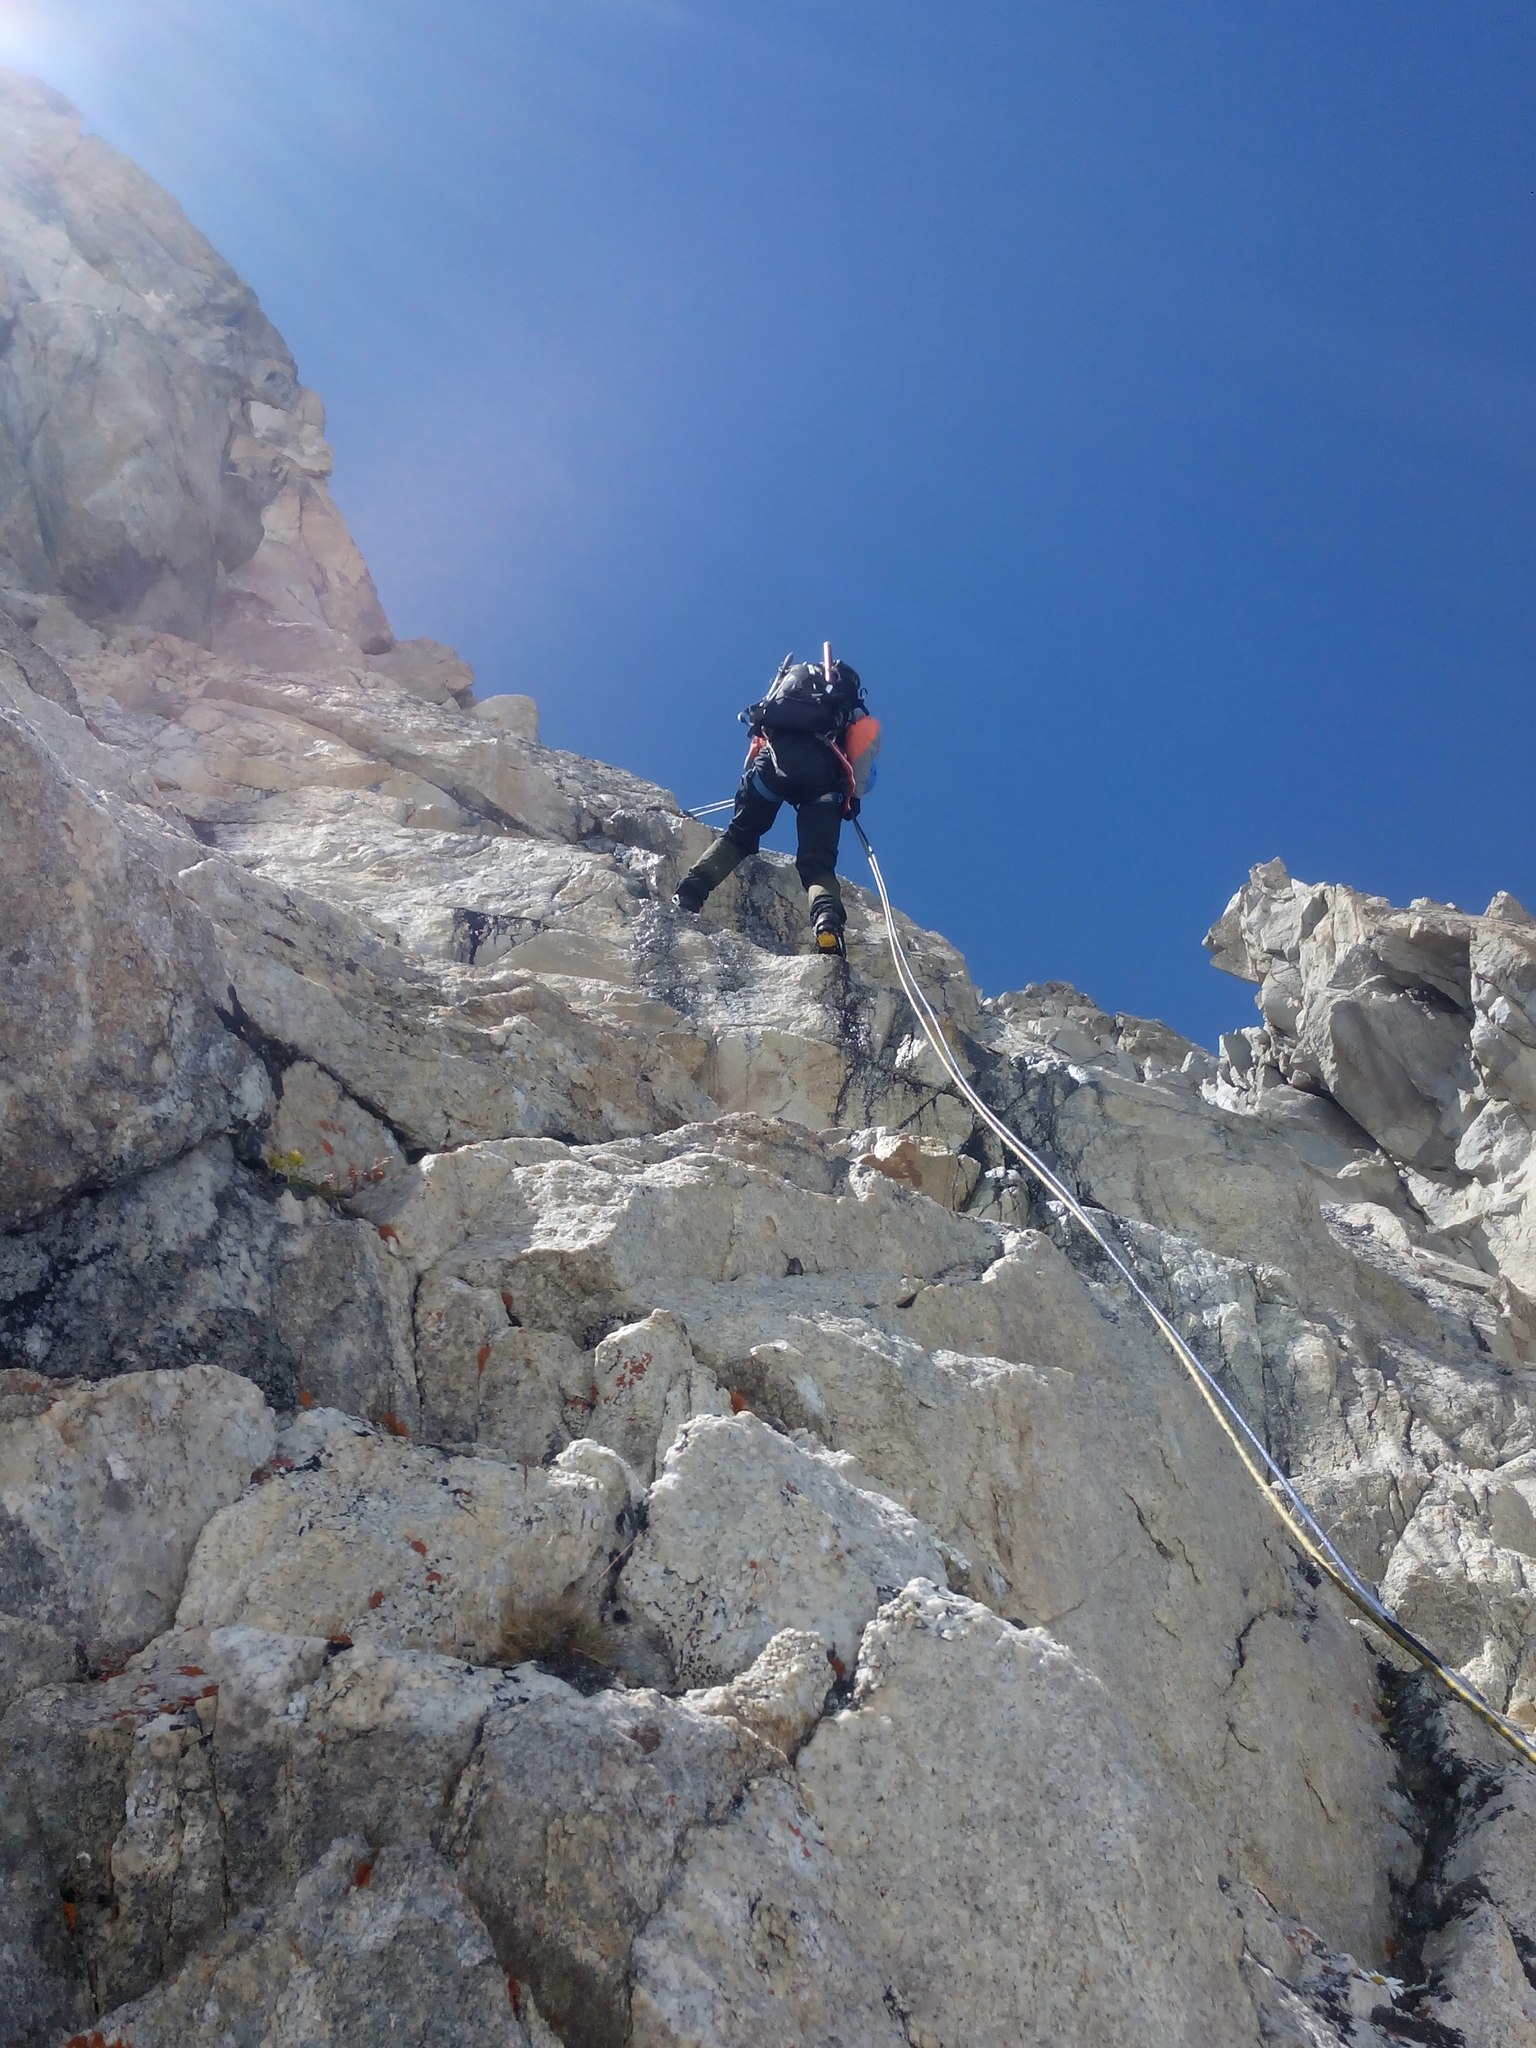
[[861, 743]]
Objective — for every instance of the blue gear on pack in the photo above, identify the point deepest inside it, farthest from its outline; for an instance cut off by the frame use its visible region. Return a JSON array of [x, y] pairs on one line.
[[802, 699]]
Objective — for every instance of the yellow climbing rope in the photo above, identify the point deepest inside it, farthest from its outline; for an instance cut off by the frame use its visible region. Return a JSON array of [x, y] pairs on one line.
[[1300, 1524]]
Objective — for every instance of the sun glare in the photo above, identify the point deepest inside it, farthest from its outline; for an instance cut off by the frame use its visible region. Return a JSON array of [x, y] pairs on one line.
[[24, 38]]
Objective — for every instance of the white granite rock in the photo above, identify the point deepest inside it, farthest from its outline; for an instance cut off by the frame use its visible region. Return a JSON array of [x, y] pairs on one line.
[[113, 1056], [433, 672], [648, 1387], [356, 1048], [154, 426], [747, 1534], [1421, 1024], [203, 1781], [105, 1493], [567, 1825], [355, 1534], [373, 1945], [510, 714], [760, 1940], [322, 1139], [782, 1693], [980, 1857]]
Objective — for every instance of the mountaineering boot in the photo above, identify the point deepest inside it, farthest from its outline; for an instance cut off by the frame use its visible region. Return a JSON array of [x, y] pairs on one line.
[[722, 859], [827, 919]]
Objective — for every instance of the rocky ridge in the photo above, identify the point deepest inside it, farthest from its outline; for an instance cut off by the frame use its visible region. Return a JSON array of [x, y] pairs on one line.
[[554, 1486]]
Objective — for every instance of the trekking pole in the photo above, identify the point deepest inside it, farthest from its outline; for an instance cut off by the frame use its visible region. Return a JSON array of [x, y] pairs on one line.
[[826, 659]]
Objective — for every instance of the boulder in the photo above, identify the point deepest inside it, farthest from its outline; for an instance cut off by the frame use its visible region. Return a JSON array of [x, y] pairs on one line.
[[783, 1692], [104, 1494], [525, 1393], [354, 1533], [431, 671], [508, 713], [1395, 1061]]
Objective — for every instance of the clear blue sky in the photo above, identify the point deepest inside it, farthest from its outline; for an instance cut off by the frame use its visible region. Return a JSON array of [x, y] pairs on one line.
[[1140, 395]]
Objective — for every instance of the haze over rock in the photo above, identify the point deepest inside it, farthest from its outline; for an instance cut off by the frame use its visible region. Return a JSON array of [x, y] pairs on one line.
[[555, 1485]]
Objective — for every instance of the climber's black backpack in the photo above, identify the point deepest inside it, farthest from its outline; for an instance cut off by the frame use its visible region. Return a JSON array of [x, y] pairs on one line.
[[801, 699]]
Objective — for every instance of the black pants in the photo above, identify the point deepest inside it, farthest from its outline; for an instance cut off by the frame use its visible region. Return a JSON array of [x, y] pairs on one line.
[[802, 772]]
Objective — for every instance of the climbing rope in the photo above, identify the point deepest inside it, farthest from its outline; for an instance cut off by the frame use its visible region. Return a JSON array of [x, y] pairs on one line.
[[1300, 1523]]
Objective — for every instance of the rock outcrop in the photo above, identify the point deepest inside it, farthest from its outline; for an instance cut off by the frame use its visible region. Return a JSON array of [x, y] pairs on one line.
[[1420, 1026], [554, 1484]]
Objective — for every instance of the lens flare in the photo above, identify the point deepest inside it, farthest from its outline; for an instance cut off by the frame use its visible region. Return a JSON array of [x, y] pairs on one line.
[[24, 39]]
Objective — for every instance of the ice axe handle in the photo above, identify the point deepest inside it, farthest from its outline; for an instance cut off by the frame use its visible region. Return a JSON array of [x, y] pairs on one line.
[[826, 659]]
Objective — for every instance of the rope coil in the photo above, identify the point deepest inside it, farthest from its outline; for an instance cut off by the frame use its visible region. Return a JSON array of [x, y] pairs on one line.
[[1300, 1524]]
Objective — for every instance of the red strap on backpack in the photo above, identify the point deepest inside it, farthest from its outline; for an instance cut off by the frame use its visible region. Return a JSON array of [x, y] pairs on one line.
[[847, 768]]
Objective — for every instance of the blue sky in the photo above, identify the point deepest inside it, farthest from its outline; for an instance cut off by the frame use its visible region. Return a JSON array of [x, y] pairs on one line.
[[1142, 396]]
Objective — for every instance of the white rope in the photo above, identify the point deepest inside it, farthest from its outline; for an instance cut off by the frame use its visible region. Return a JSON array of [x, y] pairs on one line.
[[1300, 1523]]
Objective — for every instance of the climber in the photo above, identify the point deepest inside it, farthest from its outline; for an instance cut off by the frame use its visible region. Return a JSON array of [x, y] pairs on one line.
[[813, 745]]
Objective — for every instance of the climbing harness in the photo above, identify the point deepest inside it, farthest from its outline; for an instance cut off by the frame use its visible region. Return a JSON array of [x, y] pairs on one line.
[[1300, 1524]]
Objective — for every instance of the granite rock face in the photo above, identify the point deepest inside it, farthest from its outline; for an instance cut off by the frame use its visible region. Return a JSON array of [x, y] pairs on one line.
[[357, 1535], [732, 1488], [372, 1945], [1042, 1889], [113, 1054], [105, 1491], [162, 464], [555, 1486], [1421, 1025]]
